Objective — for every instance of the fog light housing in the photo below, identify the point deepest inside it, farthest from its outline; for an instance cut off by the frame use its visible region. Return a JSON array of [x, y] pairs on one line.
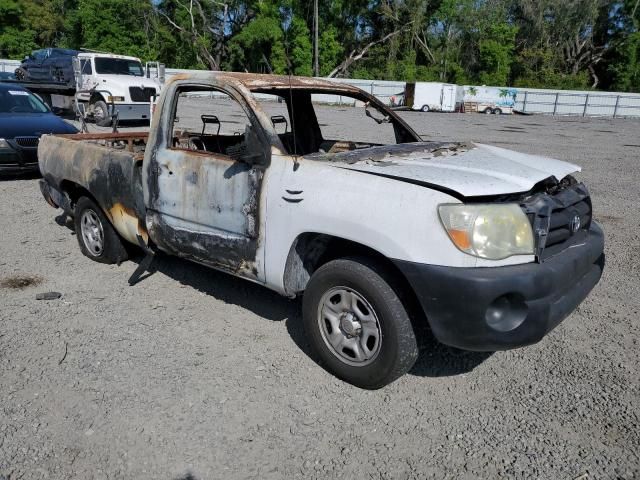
[[506, 312]]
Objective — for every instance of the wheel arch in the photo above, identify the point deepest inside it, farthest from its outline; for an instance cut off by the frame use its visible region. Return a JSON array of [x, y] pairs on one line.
[[310, 250], [96, 97], [74, 191]]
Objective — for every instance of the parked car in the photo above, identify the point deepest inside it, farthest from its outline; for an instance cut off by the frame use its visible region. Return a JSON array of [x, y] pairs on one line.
[[376, 228], [48, 65], [23, 119]]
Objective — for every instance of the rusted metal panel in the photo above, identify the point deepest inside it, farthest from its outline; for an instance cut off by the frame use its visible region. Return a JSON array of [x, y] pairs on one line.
[[202, 205], [256, 81], [112, 177]]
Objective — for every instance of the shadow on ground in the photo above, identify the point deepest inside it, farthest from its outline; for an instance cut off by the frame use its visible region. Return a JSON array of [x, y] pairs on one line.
[[435, 360]]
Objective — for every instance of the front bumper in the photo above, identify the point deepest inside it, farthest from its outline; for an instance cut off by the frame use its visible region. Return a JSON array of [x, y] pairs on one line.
[[499, 308], [12, 161], [132, 111]]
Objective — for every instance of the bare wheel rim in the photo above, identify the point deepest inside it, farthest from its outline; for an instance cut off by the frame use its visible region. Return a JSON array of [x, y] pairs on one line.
[[349, 326], [98, 113], [92, 233]]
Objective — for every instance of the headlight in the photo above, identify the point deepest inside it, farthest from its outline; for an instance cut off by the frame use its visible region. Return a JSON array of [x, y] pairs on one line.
[[493, 231], [3, 143]]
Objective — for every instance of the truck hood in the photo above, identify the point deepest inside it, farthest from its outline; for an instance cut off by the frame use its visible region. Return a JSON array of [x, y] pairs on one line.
[[466, 169]]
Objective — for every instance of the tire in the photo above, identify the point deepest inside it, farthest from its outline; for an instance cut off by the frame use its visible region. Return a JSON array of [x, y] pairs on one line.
[[101, 114], [488, 111], [385, 346], [96, 236], [497, 111], [425, 108], [21, 74]]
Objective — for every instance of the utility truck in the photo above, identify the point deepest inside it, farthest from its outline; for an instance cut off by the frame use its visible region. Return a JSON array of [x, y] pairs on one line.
[[99, 86], [378, 230]]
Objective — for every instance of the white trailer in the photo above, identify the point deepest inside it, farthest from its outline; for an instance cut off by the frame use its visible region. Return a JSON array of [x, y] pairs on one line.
[[496, 100], [433, 96]]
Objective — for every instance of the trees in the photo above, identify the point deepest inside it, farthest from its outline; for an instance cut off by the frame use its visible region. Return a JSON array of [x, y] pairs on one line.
[[541, 43]]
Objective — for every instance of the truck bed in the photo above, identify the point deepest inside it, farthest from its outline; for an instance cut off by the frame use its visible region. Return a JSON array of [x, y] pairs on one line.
[[104, 166]]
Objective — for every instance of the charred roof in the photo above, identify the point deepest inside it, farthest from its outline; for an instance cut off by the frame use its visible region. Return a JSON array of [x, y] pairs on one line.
[[263, 82]]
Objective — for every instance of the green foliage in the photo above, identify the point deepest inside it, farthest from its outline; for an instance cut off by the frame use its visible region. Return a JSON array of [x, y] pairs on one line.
[[298, 39], [115, 26], [626, 67], [331, 50], [496, 54], [16, 39], [258, 47], [534, 43]]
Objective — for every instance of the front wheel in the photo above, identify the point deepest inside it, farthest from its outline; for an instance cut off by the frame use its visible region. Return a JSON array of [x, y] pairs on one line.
[[357, 324], [425, 108], [101, 114]]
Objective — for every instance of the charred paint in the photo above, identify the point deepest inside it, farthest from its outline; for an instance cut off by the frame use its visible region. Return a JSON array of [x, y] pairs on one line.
[[112, 176], [127, 223]]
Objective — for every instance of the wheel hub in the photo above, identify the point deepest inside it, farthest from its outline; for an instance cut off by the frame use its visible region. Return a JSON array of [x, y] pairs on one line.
[[350, 325]]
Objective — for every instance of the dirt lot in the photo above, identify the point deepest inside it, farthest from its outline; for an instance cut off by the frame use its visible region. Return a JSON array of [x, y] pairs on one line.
[[195, 374]]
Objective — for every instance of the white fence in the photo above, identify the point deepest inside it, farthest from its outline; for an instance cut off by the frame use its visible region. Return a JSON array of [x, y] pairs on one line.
[[585, 104], [528, 100]]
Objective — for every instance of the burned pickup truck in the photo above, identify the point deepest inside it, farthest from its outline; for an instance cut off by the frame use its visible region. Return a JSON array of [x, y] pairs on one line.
[[377, 229]]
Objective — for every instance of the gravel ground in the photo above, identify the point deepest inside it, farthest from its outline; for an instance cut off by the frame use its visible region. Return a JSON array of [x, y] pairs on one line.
[[195, 374]]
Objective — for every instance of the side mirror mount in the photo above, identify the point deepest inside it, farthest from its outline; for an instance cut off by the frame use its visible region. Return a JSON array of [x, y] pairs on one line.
[[368, 113], [250, 150]]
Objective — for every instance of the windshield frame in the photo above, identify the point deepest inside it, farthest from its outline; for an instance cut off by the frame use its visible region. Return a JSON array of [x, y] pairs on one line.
[[403, 131]]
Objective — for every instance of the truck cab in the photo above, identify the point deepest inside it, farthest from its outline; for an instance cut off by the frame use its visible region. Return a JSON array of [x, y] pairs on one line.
[[115, 83], [377, 229]]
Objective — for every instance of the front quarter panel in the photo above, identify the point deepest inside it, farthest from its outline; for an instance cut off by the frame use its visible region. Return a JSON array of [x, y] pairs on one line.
[[397, 219]]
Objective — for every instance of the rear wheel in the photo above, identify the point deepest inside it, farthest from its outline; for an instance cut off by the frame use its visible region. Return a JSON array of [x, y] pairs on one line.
[[97, 238], [497, 111], [425, 108], [20, 73], [357, 323], [488, 111], [101, 114]]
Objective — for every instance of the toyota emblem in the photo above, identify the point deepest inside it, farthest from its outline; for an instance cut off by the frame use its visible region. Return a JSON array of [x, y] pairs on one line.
[[575, 223]]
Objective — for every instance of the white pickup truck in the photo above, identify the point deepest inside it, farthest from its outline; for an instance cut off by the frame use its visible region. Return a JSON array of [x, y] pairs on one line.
[[378, 230]]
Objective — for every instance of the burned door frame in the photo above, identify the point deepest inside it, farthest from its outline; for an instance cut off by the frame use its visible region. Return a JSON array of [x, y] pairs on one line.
[[174, 220]]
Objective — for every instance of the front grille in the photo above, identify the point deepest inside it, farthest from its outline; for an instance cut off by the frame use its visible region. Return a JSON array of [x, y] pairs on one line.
[[559, 219], [141, 94], [563, 222], [27, 142]]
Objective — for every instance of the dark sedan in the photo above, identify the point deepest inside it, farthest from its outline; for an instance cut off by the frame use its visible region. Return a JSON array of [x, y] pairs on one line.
[[48, 65], [23, 119]]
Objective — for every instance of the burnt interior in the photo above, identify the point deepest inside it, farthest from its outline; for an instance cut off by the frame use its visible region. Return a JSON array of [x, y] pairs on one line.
[[305, 136]]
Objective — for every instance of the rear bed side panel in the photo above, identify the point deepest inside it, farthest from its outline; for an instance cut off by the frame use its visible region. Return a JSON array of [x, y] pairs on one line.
[[111, 176]]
